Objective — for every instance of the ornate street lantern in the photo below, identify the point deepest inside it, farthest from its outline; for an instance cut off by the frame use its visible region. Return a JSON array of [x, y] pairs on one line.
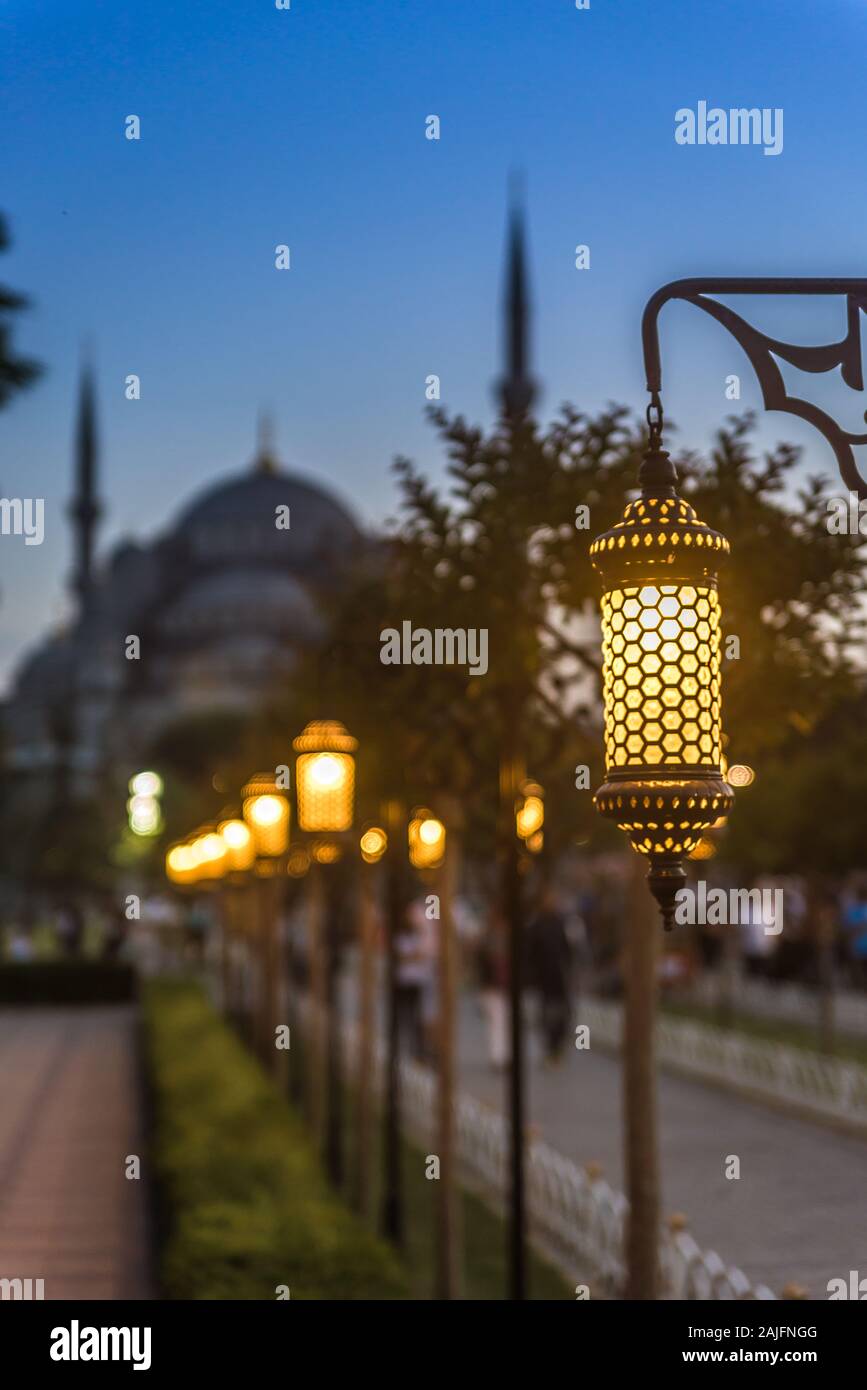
[[664, 779], [427, 840], [325, 776], [530, 816], [181, 864], [209, 851], [240, 845], [266, 813]]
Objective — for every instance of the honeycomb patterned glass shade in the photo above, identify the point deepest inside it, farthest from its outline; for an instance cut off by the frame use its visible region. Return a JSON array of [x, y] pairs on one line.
[[661, 677], [266, 812], [325, 774], [661, 637]]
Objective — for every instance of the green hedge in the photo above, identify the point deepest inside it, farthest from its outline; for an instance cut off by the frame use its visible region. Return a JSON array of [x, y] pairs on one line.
[[244, 1205], [67, 982]]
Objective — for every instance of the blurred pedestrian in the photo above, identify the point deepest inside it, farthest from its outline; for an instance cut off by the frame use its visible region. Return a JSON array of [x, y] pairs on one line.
[[20, 945], [855, 928], [551, 970], [115, 933], [69, 928], [411, 984], [492, 968]]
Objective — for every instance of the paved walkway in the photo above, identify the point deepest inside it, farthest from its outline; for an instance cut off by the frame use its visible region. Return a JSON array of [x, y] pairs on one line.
[[797, 1212], [69, 1116]]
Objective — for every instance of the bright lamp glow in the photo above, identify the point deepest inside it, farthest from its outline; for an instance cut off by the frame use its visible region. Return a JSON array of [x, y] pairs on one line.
[[266, 810], [144, 815], [325, 777], [326, 771], [240, 846], [373, 844], [427, 840], [429, 832], [266, 813], [209, 850], [739, 775], [146, 784]]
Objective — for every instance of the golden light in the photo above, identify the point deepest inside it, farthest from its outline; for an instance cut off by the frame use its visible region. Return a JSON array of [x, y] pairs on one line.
[[266, 813], [325, 774], [530, 815], [298, 862], [209, 848], [373, 844], [146, 784], [427, 840], [661, 634], [536, 843], [705, 849], [739, 775], [240, 845], [181, 864], [326, 852]]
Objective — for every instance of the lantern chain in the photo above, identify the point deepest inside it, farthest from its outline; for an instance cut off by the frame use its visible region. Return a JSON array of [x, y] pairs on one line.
[[655, 420]]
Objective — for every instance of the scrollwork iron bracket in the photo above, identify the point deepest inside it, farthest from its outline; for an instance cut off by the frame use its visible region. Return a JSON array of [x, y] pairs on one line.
[[764, 352]]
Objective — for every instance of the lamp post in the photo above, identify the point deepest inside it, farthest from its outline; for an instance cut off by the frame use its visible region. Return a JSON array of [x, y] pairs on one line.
[[433, 850], [665, 784], [373, 845], [395, 912], [240, 861], [325, 788], [265, 809], [663, 752], [512, 779]]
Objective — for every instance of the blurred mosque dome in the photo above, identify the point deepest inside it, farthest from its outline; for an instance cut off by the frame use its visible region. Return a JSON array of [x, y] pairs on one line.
[[223, 602]]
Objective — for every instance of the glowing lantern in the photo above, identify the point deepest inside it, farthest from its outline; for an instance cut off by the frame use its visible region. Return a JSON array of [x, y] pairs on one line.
[[427, 840], [664, 777], [530, 815], [325, 774], [209, 850], [181, 864], [240, 845], [266, 813]]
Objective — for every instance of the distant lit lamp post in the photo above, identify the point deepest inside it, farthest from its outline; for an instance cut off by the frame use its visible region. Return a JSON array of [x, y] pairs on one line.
[[181, 864], [397, 897], [512, 780], [240, 862], [143, 805], [265, 809], [372, 845], [325, 790], [426, 840], [431, 848], [530, 817]]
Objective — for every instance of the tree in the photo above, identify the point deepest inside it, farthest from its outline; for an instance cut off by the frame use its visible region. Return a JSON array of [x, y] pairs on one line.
[[15, 372]]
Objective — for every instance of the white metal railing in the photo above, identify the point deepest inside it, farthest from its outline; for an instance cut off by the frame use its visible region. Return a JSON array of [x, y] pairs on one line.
[[828, 1087], [791, 1002], [576, 1218]]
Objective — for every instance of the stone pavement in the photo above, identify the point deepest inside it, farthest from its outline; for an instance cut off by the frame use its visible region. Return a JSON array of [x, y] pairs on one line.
[[797, 1212], [70, 1113]]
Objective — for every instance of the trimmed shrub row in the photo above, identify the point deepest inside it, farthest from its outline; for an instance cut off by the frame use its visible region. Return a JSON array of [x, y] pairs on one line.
[[244, 1206]]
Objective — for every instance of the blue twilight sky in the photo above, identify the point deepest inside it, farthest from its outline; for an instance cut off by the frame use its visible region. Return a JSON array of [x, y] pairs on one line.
[[307, 126]]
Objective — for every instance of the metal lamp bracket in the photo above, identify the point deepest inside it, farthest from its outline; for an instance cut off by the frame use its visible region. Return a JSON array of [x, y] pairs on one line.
[[763, 351]]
